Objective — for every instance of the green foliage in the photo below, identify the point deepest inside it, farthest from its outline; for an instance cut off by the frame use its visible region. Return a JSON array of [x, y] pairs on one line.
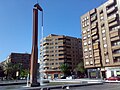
[[24, 73], [11, 69], [1, 72], [64, 68], [80, 67]]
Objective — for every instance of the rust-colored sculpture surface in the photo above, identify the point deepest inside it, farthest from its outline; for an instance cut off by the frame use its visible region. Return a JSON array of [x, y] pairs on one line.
[[34, 54]]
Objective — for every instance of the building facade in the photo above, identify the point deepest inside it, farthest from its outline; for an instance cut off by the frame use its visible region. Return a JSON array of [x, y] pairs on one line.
[[101, 40], [60, 49], [19, 58]]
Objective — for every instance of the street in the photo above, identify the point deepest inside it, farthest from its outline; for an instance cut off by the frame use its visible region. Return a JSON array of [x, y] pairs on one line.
[[106, 86]]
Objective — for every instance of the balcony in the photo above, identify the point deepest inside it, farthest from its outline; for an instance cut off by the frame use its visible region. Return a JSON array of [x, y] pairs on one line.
[[94, 25], [113, 31], [116, 47], [111, 10], [94, 33], [92, 11], [97, 58], [94, 30], [96, 50], [115, 38], [96, 54], [116, 54], [114, 34], [112, 18], [110, 2], [95, 37], [93, 18], [45, 43], [113, 24], [97, 61]]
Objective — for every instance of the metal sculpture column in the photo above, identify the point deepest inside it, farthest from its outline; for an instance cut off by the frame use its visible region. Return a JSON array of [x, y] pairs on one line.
[[34, 54]]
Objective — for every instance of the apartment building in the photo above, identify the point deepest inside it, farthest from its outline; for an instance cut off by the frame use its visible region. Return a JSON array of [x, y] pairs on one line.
[[101, 40], [18, 58], [60, 49]]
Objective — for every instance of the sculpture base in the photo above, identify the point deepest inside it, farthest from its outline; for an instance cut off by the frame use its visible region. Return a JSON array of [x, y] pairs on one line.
[[34, 84]]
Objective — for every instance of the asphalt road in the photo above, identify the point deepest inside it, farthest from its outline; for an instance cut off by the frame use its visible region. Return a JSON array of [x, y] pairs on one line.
[[106, 86]]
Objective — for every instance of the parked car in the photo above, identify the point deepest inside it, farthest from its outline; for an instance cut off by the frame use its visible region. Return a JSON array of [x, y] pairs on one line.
[[115, 78]]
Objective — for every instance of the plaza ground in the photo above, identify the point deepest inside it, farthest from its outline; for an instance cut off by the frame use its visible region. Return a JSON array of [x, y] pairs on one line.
[[106, 86], [79, 84]]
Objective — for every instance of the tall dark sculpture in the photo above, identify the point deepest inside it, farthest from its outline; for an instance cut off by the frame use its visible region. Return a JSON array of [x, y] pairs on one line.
[[34, 54]]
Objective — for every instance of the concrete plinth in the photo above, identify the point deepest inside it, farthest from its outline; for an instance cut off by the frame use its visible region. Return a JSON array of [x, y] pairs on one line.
[[34, 85]]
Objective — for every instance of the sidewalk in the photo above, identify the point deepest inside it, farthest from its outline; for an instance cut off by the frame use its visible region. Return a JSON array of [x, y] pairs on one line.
[[12, 82], [21, 84]]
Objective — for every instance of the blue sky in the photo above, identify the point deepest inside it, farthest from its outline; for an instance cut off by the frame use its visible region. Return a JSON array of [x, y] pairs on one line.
[[61, 17]]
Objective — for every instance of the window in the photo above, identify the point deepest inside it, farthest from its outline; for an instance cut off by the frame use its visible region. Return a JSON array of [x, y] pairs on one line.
[[118, 73], [87, 63], [85, 43], [90, 48], [107, 60], [88, 29], [88, 35], [86, 56], [91, 62], [95, 46], [85, 49], [101, 18], [84, 31], [103, 31], [87, 17], [89, 42], [84, 37], [105, 45], [90, 55], [83, 25], [104, 38], [87, 23]]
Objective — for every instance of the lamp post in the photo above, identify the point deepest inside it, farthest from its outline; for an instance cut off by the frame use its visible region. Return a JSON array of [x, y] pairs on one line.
[[34, 54]]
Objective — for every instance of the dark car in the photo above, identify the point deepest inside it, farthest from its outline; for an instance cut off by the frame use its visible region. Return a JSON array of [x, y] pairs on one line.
[[115, 78]]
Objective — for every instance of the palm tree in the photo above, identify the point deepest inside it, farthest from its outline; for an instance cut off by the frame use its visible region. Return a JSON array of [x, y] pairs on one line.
[[11, 69], [65, 69], [8, 70], [1, 72]]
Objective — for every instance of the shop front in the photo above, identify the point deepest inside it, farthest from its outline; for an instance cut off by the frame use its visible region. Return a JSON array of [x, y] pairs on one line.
[[93, 73], [112, 71]]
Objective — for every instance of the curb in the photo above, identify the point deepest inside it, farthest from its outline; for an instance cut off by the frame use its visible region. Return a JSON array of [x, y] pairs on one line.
[[60, 86], [13, 83]]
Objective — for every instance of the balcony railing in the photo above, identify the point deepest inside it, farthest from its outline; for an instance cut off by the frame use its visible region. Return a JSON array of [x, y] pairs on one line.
[[112, 18], [115, 38], [114, 34], [113, 24]]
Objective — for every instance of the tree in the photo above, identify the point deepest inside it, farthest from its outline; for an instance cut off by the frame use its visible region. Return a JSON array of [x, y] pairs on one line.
[[8, 70], [1, 72], [80, 69], [24, 73], [11, 69], [65, 69]]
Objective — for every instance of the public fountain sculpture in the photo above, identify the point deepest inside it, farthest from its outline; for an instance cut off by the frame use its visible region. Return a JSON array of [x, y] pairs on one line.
[[34, 54]]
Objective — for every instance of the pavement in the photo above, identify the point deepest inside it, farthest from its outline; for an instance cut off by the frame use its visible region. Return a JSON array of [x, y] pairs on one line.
[[21, 84], [12, 82]]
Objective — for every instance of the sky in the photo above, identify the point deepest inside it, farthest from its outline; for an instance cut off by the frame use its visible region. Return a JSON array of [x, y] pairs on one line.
[[61, 17]]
